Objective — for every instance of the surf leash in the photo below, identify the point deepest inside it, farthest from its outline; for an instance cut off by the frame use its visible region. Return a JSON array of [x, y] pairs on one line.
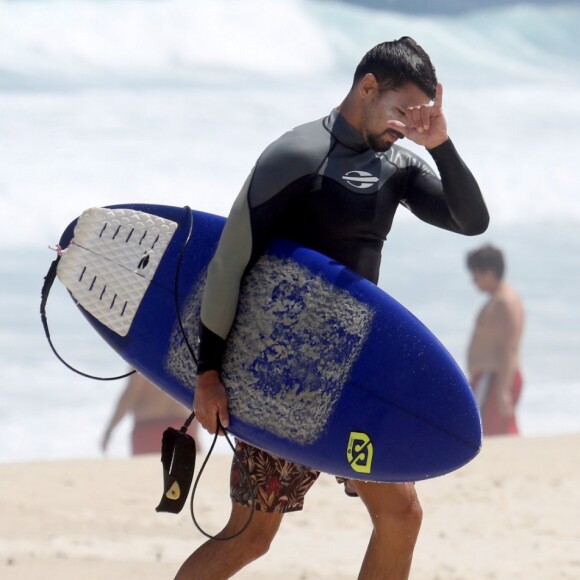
[[179, 444], [178, 448], [247, 481], [46, 287], [178, 453], [176, 283]]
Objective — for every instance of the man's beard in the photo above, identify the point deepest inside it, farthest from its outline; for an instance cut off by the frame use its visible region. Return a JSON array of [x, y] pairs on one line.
[[377, 142]]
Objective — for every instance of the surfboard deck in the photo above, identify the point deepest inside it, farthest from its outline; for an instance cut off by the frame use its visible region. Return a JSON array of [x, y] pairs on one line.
[[321, 366]]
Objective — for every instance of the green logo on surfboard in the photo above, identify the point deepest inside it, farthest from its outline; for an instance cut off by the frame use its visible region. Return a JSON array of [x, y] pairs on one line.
[[360, 452]]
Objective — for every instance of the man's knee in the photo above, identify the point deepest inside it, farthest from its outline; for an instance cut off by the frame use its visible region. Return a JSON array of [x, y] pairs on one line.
[[258, 542], [411, 512], [404, 521], [393, 505], [258, 536]]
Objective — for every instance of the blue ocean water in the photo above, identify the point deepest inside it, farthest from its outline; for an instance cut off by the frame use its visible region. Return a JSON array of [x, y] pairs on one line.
[[171, 102]]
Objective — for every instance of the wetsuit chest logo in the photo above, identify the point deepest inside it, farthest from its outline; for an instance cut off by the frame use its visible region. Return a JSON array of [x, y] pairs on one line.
[[360, 179]]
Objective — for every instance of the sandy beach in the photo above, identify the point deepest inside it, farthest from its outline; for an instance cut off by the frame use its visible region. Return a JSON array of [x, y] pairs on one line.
[[512, 513]]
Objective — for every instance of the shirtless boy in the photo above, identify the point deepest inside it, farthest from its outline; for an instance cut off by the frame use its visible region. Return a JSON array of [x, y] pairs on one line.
[[494, 350]]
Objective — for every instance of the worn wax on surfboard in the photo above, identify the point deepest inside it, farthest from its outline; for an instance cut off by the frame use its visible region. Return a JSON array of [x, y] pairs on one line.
[[332, 322]]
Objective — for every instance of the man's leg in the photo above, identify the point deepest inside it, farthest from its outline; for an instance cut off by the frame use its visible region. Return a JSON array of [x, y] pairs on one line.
[[396, 515], [218, 559], [278, 486]]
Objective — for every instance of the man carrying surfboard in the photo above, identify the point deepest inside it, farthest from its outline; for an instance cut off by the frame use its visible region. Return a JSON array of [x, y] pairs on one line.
[[332, 185]]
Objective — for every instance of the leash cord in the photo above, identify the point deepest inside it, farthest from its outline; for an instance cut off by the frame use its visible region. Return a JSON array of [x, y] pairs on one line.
[[46, 287], [176, 284], [45, 292], [246, 477], [244, 471]]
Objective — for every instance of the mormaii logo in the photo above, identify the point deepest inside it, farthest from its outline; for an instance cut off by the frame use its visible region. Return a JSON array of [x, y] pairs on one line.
[[360, 179]]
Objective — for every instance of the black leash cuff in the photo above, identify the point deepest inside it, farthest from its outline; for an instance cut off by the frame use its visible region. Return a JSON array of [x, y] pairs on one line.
[[178, 460]]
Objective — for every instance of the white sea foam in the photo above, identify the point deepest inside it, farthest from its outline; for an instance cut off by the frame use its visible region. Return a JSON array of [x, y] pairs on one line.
[[176, 103], [172, 102], [87, 42]]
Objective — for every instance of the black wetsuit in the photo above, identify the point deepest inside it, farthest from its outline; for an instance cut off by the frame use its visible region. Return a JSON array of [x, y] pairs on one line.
[[322, 186]]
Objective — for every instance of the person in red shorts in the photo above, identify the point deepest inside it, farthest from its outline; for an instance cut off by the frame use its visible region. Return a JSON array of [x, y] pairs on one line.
[[153, 411], [494, 349]]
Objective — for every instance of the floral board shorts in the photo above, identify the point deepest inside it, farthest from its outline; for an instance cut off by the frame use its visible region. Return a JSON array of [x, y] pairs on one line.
[[279, 485]]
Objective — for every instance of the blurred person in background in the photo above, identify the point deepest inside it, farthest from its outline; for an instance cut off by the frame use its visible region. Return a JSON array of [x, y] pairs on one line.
[[494, 350], [153, 411]]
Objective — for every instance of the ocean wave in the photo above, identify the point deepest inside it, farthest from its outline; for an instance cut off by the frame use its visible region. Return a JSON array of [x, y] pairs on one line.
[[61, 44]]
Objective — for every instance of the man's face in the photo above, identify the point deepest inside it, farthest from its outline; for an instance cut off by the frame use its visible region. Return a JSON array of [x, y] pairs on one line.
[[484, 280], [389, 106]]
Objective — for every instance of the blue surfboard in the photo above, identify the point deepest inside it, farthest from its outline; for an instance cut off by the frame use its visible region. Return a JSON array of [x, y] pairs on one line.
[[322, 367]]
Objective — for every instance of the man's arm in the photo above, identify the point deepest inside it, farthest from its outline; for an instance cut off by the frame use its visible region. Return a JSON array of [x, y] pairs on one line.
[[255, 218], [224, 277], [243, 238], [218, 310], [455, 203]]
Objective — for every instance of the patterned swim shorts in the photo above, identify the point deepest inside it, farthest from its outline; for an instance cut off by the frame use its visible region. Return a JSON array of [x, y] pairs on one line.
[[280, 485]]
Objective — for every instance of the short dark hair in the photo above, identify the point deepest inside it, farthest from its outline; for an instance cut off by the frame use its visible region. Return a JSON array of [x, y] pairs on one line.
[[398, 62], [487, 257]]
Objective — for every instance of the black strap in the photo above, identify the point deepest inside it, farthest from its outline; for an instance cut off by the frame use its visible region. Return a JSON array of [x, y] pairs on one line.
[[176, 283], [247, 481], [46, 287], [178, 452], [178, 448]]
